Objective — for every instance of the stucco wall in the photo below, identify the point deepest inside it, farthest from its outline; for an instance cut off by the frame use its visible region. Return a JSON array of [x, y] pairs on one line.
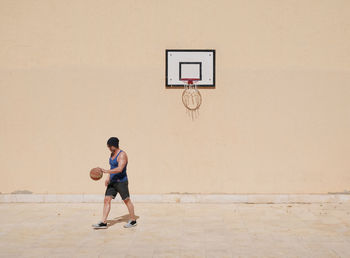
[[73, 73]]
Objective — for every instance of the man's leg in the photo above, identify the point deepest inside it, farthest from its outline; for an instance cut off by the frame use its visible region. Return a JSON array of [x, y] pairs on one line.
[[130, 206], [106, 207]]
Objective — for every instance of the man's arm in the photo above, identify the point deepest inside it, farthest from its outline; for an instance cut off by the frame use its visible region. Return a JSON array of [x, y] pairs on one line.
[[121, 164]]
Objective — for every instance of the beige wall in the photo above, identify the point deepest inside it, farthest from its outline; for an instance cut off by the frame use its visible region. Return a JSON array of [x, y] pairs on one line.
[[73, 73]]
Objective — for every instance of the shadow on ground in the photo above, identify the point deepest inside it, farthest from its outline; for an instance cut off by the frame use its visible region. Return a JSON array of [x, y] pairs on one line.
[[120, 219]]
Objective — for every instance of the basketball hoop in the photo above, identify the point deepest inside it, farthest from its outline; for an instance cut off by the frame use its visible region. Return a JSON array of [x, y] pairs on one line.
[[191, 97], [190, 68]]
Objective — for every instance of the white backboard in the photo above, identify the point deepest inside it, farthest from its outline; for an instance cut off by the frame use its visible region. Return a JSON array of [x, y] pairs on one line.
[[197, 64]]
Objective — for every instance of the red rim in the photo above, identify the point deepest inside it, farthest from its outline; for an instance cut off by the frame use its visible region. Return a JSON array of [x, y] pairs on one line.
[[190, 80]]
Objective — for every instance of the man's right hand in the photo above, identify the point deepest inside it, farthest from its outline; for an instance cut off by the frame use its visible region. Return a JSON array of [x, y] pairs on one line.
[[107, 182]]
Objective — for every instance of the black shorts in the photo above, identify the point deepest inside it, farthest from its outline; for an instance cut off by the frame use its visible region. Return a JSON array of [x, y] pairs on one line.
[[118, 187]]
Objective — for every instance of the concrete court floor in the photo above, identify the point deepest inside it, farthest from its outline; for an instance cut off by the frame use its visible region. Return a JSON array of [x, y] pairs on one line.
[[176, 230]]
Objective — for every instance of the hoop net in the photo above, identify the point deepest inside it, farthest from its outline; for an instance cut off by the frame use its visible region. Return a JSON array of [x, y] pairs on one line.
[[191, 97]]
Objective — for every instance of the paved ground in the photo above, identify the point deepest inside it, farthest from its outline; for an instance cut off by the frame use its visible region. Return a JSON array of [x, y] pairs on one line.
[[177, 230]]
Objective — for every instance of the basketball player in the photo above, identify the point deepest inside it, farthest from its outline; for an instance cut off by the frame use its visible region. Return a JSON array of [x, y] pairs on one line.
[[116, 182]]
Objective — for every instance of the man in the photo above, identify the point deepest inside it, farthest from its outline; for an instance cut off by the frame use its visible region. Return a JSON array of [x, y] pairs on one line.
[[116, 182]]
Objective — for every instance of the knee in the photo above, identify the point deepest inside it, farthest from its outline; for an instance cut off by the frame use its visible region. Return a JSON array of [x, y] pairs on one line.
[[107, 200], [127, 201]]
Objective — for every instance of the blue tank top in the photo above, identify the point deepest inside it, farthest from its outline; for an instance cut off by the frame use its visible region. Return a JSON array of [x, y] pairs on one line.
[[117, 177]]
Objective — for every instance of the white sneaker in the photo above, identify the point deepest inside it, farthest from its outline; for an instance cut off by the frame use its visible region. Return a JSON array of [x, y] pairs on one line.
[[130, 224]]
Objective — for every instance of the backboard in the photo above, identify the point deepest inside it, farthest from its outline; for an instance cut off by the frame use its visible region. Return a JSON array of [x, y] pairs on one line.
[[190, 64]]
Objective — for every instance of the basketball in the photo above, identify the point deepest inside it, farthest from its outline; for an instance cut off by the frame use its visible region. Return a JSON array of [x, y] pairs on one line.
[[96, 174]]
